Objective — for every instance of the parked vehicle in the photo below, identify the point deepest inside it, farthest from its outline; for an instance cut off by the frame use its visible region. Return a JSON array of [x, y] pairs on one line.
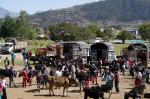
[[11, 44], [102, 51]]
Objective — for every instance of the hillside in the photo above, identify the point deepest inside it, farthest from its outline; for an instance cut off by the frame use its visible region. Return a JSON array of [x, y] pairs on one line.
[[4, 12], [112, 10]]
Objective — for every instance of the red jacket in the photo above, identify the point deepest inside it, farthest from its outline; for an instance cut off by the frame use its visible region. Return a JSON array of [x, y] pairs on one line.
[[138, 82], [24, 74]]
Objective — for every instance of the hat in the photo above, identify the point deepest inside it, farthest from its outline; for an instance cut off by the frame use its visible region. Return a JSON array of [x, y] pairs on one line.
[[107, 67]]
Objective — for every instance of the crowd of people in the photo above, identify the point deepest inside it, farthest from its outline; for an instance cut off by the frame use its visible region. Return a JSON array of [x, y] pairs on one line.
[[87, 74]]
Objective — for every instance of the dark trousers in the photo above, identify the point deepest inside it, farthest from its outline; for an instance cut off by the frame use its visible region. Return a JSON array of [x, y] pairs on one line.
[[13, 62], [4, 94], [117, 86], [11, 81], [147, 79]]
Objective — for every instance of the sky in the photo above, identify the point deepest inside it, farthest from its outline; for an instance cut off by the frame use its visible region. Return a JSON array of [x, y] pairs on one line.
[[33, 6]]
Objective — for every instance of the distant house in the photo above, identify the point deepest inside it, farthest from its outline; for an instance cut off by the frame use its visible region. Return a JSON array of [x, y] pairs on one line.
[[134, 32]]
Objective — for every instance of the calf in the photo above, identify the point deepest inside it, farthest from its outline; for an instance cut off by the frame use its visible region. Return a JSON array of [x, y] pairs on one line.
[[94, 92]]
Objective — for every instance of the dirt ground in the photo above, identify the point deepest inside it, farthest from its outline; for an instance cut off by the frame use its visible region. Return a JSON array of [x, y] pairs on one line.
[[126, 83]]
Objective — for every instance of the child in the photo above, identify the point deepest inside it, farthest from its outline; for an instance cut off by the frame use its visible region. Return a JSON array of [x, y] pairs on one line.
[[87, 82]]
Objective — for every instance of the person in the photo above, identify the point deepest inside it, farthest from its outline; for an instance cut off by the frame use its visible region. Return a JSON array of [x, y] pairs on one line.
[[65, 73], [93, 73], [108, 77], [25, 77], [13, 56], [6, 62], [30, 54], [30, 76], [73, 70], [4, 85], [11, 76], [27, 65], [1, 88], [100, 66], [116, 81], [58, 73], [52, 72], [87, 82], [138, 79], [148, 73]]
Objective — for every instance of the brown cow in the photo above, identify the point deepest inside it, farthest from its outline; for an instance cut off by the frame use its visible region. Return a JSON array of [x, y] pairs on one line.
[[60, 82]]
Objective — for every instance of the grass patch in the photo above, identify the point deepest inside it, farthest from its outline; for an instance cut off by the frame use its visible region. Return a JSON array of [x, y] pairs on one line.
[[119, 47], [17, 63], [34, 44]]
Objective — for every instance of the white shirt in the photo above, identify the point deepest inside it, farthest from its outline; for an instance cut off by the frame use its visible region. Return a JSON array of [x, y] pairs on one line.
[[58, 73]]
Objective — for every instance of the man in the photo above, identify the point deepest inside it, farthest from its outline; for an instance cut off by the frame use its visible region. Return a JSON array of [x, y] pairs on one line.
[[13, 56], [73, 71], [58, 73], [93, 73], [6, 62], [11, 76], [116, 81]]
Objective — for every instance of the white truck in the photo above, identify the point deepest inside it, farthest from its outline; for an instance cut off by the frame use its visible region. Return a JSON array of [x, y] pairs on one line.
[[11, 44]]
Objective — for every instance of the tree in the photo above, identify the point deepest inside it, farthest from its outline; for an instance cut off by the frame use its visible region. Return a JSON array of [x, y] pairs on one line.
[[108, 32], [123, 36], [8, 27], [32, 34], [145, 31], [23, 26]]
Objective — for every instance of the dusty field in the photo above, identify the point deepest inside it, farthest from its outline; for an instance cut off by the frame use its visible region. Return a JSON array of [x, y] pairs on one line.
[[31, 92]]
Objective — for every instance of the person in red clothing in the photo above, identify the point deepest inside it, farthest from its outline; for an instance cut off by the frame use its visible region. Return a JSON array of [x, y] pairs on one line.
[[30, 76], [138, 79], [25, 77], [116, 81], [30, 54], [87, 82]]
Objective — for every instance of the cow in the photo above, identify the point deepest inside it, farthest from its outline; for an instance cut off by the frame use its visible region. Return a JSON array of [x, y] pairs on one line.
[[136, 92], [64, 82], [81, 75], [6, 73], [94, 92]]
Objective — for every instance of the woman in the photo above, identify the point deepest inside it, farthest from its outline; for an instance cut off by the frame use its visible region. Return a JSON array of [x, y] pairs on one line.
[[3, 87]]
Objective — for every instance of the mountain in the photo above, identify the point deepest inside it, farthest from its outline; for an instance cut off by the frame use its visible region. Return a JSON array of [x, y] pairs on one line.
[[4, 12], [106, 10]]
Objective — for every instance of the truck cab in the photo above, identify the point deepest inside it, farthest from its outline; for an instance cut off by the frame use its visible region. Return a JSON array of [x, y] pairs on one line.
[[7, 48]]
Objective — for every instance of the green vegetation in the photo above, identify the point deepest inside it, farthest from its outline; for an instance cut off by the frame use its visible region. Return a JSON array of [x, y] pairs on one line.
[[119, 47], [73, 32], [145, 31], [34, 44], [17, 27], [17, 62], [124, 35]]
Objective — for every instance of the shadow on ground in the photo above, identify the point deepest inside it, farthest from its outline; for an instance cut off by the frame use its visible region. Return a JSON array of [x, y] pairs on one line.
[[147, 95]]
